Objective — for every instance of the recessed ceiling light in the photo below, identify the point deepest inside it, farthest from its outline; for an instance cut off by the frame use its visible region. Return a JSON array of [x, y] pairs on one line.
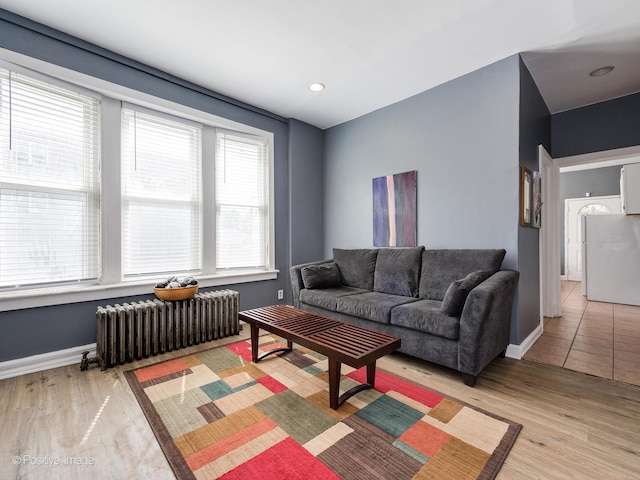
[[316, 87], [599, 72]]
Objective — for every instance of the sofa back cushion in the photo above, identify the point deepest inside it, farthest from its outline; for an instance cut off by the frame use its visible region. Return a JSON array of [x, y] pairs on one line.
[[441, 267], [356, 266], [398, 271], [323, 275]]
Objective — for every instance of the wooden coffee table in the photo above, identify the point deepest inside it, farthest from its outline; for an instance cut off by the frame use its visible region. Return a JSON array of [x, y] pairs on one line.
[[339, 341]]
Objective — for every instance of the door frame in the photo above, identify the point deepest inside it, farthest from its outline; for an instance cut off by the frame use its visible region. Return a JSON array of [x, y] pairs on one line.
[[550, 302]]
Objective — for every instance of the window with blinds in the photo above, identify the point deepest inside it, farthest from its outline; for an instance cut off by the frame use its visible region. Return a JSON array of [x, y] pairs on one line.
[[53, 186], [161, 194], [49, 183], [242, 206]]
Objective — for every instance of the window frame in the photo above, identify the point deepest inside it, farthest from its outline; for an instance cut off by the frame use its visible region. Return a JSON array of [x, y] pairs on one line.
[[265, 208], [157, 199], [111, 283], [90, 191]]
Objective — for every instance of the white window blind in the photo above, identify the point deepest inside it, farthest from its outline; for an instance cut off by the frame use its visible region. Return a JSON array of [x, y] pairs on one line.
[[242, 216], [162, 194], [49, 183]]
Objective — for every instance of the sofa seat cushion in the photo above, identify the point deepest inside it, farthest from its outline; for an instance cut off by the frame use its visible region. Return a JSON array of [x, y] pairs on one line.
[[327, 298], [425, 316], [374, 306], [398, 271], [356, 266], [441, 267]]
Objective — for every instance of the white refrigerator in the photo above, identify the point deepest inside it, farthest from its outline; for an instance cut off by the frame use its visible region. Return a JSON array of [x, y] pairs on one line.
[[611, 258]]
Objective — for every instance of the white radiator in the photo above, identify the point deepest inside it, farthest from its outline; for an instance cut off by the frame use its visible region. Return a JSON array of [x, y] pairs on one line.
[[137, 330]]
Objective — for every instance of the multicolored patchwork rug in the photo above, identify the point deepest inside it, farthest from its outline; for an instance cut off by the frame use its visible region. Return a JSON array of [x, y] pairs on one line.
[[217, 415]]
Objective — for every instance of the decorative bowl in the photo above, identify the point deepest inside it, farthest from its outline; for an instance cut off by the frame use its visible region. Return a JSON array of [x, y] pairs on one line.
[[175, 294]]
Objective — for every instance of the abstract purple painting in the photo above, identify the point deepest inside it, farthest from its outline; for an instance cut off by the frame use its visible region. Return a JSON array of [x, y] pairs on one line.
[[394, 210]]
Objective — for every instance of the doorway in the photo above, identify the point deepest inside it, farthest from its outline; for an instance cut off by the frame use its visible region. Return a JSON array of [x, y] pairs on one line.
[[551, 237], [575, 339]]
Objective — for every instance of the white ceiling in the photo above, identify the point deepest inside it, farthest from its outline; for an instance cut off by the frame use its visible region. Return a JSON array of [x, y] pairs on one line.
[[369, 53]]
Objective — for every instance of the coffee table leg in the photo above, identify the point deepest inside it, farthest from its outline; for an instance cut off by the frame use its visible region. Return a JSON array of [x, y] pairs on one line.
[[255, 333], [334, 383], [255, 358], [371, 374]]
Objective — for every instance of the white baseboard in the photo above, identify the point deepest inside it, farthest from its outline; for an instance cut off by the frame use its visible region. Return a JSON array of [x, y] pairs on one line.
[[518, 351], [45, 361]]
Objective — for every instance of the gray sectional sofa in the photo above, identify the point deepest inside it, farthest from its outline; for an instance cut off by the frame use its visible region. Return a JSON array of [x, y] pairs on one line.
[[450, 307]]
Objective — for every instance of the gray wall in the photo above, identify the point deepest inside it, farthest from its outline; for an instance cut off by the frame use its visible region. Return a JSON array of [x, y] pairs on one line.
[[598, 181], [39, 330], [462, 138], [534, 130], [596, 128], [306, 150]]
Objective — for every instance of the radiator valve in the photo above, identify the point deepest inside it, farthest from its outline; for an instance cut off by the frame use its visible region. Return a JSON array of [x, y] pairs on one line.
[[84, 363]]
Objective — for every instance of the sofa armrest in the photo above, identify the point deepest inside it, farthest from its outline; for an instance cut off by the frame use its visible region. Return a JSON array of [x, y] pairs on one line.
[[295, 273], [485, 322]]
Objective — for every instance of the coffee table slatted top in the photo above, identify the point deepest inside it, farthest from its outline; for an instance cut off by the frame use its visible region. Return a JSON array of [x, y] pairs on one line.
[[350, 344]]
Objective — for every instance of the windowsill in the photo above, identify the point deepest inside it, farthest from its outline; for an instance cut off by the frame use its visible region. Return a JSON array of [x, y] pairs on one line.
[[43, 297]]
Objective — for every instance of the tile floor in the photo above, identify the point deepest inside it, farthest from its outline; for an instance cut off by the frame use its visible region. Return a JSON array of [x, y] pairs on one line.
[[601, 339]]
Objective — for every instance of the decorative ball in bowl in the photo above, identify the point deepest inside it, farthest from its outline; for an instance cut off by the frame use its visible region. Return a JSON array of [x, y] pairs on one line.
[[175, 294], [173, 289]]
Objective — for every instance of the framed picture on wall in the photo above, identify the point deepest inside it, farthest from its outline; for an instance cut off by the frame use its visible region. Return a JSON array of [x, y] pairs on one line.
[[525, 197], [394, 210], [537, 200]]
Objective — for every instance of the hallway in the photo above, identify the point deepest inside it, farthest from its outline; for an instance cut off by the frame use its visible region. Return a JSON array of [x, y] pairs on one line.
[[601, 339]]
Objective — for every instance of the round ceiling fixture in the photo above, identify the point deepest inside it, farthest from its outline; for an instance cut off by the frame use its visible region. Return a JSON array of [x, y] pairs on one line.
[[599, 72], [316, 87]]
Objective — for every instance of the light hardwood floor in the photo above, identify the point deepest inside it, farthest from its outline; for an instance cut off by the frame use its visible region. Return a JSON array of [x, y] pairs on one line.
[[575, 425]]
